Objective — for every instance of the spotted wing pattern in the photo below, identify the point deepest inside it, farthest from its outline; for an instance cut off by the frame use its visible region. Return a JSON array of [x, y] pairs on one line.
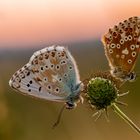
[[50, 74], [122, 45]]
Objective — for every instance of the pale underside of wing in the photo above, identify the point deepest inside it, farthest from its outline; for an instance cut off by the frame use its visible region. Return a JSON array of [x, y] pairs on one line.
[[24, 81], [51, 74], [122, 44]]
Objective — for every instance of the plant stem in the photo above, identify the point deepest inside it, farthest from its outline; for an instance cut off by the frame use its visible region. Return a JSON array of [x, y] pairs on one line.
[[126, 119]]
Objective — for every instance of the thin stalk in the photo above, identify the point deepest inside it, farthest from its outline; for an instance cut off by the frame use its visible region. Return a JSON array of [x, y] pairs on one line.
[[125, 118]]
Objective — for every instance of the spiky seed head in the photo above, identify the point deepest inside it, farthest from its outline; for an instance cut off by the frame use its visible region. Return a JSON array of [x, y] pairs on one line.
[[101, 92]]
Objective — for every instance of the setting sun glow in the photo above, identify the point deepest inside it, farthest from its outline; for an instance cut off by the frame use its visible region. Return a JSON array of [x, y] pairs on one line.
[[32, 22]]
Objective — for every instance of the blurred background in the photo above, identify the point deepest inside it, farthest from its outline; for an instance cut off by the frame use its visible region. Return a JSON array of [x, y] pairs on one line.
[[29, 25]]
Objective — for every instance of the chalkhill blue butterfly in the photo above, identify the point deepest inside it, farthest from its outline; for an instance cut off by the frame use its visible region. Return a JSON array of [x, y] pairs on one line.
[[50, 74], [122, 45]]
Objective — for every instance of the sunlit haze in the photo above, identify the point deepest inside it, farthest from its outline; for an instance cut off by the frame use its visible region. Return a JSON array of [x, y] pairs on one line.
[[30, 22]]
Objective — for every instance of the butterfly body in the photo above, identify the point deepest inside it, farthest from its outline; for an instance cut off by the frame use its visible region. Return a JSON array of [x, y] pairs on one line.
[[122, 45], [50, 74]]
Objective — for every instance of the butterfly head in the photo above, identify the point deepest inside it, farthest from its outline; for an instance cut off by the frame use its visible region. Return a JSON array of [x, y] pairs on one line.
[[132, 76], [75, 97], [123, 75]]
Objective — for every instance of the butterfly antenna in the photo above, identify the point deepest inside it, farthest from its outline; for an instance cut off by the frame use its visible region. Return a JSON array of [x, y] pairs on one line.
[[59, 116]]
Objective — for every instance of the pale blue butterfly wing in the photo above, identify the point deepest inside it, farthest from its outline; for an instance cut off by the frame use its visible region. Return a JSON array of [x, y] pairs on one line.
[[51, 74]]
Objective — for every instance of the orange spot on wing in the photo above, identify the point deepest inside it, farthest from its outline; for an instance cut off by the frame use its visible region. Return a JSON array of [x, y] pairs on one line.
[[48, 74]]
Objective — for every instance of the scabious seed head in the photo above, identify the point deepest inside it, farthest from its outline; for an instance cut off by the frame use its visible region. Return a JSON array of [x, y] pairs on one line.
[[101, 92]]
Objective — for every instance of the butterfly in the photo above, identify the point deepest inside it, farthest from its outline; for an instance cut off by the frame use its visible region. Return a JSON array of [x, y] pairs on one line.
[[50, 74], [122, 46]]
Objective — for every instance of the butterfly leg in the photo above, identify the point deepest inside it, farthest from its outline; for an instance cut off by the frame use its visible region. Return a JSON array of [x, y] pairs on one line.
[[59, 116], [81, 99]]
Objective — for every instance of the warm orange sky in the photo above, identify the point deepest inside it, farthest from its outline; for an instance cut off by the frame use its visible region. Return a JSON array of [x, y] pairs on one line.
[[29, 22]]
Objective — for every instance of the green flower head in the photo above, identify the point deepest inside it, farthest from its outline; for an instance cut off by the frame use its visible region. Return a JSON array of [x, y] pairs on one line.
[[101, 92]]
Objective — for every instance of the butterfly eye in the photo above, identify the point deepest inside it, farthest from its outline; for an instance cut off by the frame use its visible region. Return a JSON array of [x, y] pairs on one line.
[[65, 75], [60, 79], [52, 66], [120, 31], [49, 87], [121, 41], [112, 45], [110, 51], [57, 90], [70, 67], [132, 47], [45, 79], [133, 54], [126, 38], [110, 37], [57, 67], [46, 67], [129, 61], [132, 76], [129, 37], [118, 46]]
